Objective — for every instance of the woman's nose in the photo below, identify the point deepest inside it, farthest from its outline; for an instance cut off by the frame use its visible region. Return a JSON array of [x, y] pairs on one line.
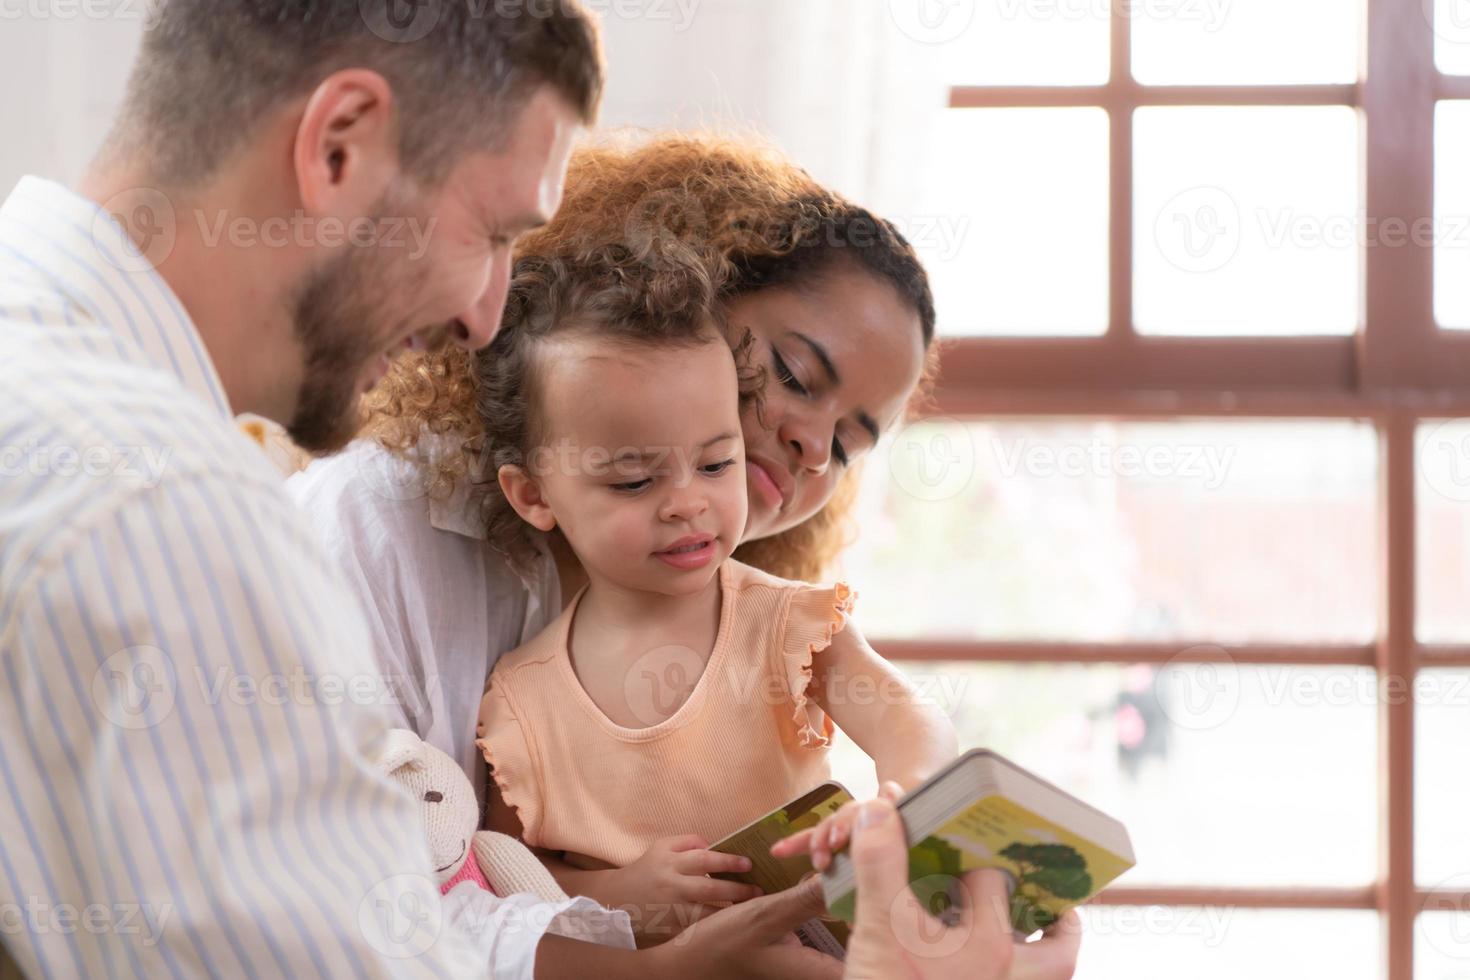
[[812, 450]]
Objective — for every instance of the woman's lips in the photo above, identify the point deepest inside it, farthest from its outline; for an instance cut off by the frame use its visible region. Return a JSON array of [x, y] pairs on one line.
[[765, 485]]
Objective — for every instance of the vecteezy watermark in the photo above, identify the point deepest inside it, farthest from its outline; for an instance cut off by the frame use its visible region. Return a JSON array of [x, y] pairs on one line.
[[1199, 230], [135, 688], [933, 460], [402, 916], [1209, 924], [1199, 688], [35, 917], [305, 231], [143, 465], [139, 687], [406, 21], [138, 229], [1211, 15], [659, 682], [1207, 465], [1444, 459], [144, 11], [932, 21], [1449, 19], [1445, 923]]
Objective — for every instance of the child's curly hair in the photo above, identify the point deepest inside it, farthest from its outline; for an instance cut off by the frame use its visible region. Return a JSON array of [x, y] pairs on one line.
[[735, 207]]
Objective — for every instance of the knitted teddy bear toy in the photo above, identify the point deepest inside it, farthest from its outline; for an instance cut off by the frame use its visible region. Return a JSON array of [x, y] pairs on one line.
[[460, 851]]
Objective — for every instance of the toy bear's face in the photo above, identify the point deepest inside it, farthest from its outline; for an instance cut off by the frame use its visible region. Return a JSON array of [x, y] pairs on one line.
[[450, 811]]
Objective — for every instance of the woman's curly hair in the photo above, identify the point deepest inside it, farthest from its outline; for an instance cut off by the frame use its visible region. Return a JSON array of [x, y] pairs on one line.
[[735, 207]]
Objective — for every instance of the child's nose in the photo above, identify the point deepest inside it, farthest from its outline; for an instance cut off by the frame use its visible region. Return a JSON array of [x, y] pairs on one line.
[[684, 504]]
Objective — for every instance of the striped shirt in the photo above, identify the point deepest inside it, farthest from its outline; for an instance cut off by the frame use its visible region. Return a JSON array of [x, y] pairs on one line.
[[188, 701]]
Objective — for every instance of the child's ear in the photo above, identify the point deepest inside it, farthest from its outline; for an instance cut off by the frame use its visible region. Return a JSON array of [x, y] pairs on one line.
[[525, 496]]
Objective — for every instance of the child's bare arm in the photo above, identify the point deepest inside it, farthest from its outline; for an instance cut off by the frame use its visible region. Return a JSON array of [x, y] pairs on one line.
[[908, 738]]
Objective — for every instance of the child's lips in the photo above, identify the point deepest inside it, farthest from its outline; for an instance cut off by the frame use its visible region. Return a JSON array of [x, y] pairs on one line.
[[689, 553]]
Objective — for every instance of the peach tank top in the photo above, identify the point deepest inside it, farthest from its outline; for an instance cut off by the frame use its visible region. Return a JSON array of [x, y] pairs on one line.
[[746, 740]]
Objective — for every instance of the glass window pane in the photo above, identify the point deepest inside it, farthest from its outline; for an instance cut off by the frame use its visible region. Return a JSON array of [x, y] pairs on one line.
[[1021, 245], [1442, 794], [1245, 42], [1247, 221], [1228, 944], [1099, 531], [1452, 214], [1444, 532], [1442, 944], [1224, 776], [1022, 42], [1451, 35]]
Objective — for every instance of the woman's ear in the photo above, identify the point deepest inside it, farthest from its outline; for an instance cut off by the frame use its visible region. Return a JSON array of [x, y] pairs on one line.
[[525, 496]]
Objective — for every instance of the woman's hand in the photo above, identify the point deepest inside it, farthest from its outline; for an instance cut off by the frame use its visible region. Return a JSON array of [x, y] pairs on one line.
[[669, 888], [894, 937]]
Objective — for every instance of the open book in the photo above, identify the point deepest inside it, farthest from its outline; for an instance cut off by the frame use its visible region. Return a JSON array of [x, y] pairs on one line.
[[774, 874], [983, 811]]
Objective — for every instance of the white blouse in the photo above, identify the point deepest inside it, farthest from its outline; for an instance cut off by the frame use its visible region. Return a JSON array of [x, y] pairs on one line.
[[442, 606]]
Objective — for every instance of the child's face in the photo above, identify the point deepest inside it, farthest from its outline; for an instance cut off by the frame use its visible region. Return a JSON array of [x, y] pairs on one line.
[[643, 464]]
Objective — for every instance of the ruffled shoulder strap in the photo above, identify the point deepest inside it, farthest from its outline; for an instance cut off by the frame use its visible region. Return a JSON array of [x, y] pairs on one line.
[[814, 614], [506, 747]]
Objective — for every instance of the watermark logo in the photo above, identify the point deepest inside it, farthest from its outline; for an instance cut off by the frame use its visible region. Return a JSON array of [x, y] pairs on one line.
[[1449, 19], [136, 688], [664, 220], [932, 21], [1449, 933], [1199, 230], [1444, 460], [660, 681], [927, 918], [402, 916], [1199, 688], [136, 229], [400, 21], [933, 460]]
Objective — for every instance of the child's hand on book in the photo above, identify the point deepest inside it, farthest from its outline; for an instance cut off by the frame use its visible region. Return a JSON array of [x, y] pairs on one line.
[[672, 876], [832, 834]]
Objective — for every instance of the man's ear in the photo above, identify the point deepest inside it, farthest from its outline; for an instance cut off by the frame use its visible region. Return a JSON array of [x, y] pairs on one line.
[[346, 151], [521, 489]]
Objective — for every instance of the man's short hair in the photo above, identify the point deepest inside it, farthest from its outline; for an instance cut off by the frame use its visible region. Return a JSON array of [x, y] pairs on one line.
[[461, 71]]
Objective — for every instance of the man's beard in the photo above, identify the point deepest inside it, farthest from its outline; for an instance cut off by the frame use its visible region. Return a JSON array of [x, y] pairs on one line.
[[340, 322]]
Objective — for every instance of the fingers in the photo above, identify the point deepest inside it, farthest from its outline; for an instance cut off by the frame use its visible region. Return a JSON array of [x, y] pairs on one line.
[[890, 791], [703, 862], [798, 843], [1055, 956], [775, 915], [684, 842], [711, 891], [880, 858]]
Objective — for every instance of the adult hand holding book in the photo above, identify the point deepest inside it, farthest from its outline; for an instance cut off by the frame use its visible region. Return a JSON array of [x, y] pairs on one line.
[[895, 936]]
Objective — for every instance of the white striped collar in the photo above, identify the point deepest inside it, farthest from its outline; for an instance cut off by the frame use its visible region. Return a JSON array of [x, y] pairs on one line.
[[71, 245]]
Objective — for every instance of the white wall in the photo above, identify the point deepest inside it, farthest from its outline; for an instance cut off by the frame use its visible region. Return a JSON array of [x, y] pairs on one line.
[[831, 81]]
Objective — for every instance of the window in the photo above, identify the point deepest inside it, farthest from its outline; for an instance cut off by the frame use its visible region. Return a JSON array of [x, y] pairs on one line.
[[1207, 350]]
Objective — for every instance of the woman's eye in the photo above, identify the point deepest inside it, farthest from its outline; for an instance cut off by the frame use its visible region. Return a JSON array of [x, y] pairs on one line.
[[839, 453], [784, 375], [715, 469], [633, 487]]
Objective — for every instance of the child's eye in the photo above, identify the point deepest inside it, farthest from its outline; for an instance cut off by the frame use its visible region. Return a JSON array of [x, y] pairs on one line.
[[839, 452], [633, 487], [715, 469]]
